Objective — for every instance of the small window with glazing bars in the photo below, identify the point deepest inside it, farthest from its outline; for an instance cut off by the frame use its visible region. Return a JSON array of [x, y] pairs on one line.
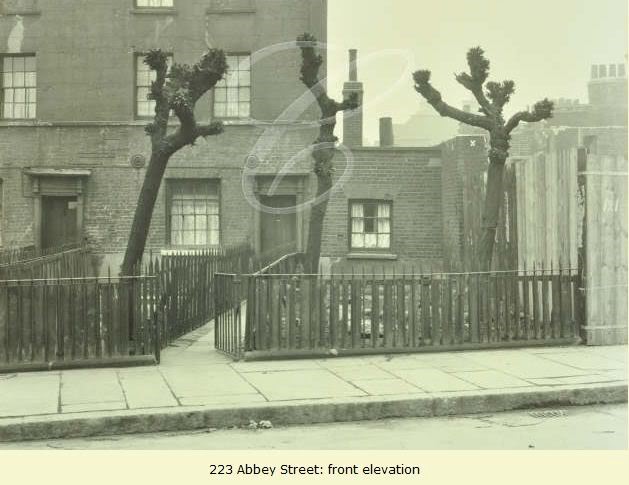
[[18, 86]]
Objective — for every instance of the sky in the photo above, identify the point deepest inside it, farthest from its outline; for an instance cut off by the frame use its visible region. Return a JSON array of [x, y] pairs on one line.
[[545, 46]]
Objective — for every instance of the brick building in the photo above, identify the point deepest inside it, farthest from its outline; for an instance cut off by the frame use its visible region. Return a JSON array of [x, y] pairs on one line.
[[73, 94]]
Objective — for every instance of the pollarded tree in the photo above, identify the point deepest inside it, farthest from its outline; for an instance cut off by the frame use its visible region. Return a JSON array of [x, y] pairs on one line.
[[324, 147], [491, 97], [176, 91]]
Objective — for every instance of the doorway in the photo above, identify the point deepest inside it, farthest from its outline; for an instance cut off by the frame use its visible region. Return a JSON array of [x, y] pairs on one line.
[[59, 221], [278, 230]]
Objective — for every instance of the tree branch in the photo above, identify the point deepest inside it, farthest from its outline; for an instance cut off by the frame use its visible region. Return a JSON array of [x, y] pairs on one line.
[[479, 71], [541, 110], [310, 65], [214, 128], [158, 62], [500, 93], [430, 94]]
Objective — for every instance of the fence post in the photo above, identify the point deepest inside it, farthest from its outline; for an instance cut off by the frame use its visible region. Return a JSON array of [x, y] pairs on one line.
[[158, 336]]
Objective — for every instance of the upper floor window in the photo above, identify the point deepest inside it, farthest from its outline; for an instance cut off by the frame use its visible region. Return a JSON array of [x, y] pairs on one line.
[[19, 87], [193, 212], [153, 3], [144, 76], [370, 224], [232, 94]]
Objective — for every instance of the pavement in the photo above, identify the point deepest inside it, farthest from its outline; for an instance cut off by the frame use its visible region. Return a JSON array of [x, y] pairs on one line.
[[197, 387]]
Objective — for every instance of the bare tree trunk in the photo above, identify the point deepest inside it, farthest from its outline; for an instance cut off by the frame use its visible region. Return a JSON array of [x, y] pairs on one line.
[[317, 217], [491, 211], [143, 212]]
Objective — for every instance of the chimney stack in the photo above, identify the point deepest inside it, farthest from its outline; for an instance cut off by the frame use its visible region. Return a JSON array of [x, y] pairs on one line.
[[386, 132], [353, 120]]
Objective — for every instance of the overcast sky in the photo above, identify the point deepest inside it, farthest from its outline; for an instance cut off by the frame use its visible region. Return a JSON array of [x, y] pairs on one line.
[[545, 46]]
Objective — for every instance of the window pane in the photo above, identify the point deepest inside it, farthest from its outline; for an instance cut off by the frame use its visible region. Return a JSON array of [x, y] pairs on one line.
[[243, 110], [370, 240], [18, 79], [244, 78], [18, 111], [7, 80], [8, 95], [18, 64], [358, 241], [244, 94], [19, 95], [383, 226], [370, 225], [357, 225], [220, 110], [7, 64], [383, 240], [220, 95], [232, 95], [29, 63], [383, 210], [232, 110], [357, 210], [32, 110], [188, 238], [7, 110], [30, 79]]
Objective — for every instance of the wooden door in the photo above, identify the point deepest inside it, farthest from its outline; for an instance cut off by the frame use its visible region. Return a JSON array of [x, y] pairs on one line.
[[277, 230], [59, 221]]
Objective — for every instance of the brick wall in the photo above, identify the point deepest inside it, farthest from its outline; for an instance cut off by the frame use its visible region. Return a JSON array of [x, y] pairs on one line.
[[411, 179]]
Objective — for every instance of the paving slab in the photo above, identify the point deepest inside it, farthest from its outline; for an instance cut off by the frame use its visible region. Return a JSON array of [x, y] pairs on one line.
[[28, 394], [301, 384], [433, 380], [90, 386], [187, 381], [146, 388], [361, 372], [491, 379], [587, 361], [379, 387]]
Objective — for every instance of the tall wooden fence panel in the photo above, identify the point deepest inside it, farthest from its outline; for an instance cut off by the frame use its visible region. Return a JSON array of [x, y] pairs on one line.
[[606, 249]]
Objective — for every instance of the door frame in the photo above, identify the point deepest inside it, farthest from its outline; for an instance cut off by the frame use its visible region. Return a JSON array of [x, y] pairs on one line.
[[67, 183], [293, 184]]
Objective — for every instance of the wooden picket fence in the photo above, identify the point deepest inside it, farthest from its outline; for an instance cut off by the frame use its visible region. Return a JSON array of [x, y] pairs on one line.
[[306, 314], [61, 262], [56, 321]]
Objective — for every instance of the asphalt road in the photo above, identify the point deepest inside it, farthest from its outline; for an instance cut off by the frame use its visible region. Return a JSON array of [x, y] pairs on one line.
[[587, 427]]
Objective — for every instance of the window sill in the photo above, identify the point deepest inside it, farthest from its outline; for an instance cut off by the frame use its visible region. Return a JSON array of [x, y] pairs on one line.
[[370, 255], [173, 250], [21, 13], [153, 11], [219, 11]]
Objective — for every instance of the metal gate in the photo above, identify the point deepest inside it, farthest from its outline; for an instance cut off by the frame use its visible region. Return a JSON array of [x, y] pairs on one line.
[[228, 321]]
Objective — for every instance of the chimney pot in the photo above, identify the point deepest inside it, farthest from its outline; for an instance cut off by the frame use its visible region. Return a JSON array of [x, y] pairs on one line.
[[386, 132], [353, 69]]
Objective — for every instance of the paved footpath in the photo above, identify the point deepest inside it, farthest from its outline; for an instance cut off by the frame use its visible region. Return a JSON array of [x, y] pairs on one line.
[[196, 387]]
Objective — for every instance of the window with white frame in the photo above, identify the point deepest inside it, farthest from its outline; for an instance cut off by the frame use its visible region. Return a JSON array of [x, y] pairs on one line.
[[19, 87], [232, 94], [370, 224], [193, 212], [144, 76], [153, 3]]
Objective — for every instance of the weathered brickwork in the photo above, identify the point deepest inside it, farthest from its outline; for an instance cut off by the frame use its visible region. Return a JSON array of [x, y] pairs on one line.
[[411, 179]]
